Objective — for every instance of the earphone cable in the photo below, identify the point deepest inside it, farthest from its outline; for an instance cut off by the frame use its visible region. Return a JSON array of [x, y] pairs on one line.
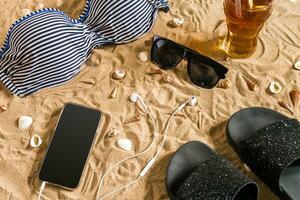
[[42, 187], [130, 157]]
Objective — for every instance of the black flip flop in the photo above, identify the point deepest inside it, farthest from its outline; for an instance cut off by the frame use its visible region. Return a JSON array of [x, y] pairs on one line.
[[269, 143], [196, 172]]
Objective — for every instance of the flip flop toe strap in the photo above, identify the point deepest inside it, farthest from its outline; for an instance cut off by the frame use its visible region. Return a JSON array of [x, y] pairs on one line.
[[270, 150], [214, 179]]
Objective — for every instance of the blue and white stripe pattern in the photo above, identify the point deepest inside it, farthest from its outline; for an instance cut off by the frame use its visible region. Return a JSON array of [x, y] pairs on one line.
[[47, 48]]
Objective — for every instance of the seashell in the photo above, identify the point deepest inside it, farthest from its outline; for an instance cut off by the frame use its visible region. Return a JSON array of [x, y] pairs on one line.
[[200, 119], [168, 79], [59, 3], [25, 11], [39, 6], [24, 141], [35, 141], [295, 95], [297, 65], [125, 144], [114, 93], [224, 84], [2, 108], [111, 133], [143, 56], [275, 87], [251, 84], [24, 122], [175, 22], [133, 119], [284, 105], [247, 168], [118, 74], [91, 82], [154, 71]]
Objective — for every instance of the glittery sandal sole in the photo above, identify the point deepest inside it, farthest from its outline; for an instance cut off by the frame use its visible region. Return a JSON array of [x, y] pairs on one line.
[[269, 143], [198, 173]]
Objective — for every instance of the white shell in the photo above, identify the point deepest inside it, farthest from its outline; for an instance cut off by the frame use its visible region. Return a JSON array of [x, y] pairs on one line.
[[35, 141], [175, 22], [297, 65], [59, 3], [118, 74], [24, 122], [275, 87], [168, 79], [247, 168], [143, 56], [39, 6], [125, 144], [25, 11]]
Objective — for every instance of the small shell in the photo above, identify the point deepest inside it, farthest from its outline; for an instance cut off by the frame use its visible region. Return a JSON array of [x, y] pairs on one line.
[[275, 87], [143, 56], [59, 3], [295, 95], [24, 122], [133, 119], [284, 105], [111, 133], [91, 81], [25, 11], [176, 22], [39, 6], [154, 71], [297, 65], [224, 84], [125, 144], [247, 168], [118, 74], [114, 93], [200, 119], [2, 108], [168, 79], [251, 84], [35, 141]]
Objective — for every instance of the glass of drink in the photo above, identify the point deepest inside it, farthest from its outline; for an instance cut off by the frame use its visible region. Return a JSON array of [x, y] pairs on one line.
[[245, 19]]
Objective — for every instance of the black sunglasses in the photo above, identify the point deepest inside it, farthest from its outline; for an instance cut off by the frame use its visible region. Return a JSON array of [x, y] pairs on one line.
[[202, 71]]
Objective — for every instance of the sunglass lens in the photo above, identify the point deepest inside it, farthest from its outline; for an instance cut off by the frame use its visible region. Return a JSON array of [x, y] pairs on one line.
[[201, 74], [166, 53]]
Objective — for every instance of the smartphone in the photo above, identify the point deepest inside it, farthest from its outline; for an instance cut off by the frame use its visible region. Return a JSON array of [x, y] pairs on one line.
[[70, 146]]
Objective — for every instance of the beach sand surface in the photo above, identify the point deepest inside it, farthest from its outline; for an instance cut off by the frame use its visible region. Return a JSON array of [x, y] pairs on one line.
[[203, 29]]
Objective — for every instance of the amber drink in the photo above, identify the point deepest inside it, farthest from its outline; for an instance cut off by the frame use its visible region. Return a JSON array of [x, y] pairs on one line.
[[245, 19]]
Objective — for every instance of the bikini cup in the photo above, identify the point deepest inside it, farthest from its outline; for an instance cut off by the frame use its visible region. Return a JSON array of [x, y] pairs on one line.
[[47, 48]]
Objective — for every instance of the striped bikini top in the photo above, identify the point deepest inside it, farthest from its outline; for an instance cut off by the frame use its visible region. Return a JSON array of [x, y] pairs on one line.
[[47, 48]]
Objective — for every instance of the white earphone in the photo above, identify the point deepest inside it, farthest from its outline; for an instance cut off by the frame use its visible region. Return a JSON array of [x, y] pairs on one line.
[[134, 98]]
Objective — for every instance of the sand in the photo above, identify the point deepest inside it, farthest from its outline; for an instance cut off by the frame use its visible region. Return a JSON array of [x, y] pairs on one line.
[[277, 50]]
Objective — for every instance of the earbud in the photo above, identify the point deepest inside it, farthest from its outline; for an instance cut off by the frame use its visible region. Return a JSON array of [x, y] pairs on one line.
[[134, 97], [193, 101]]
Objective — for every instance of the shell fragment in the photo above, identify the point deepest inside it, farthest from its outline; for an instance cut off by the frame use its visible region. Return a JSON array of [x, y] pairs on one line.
[[143, 56], [125, 144], [2, 108], [118, 74], [24, 122], [297, 65], [35, 141], [176, 22], [275, 87]]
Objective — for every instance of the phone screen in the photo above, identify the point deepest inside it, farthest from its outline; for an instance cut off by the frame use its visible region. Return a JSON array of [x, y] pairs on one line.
[[70, 146]]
